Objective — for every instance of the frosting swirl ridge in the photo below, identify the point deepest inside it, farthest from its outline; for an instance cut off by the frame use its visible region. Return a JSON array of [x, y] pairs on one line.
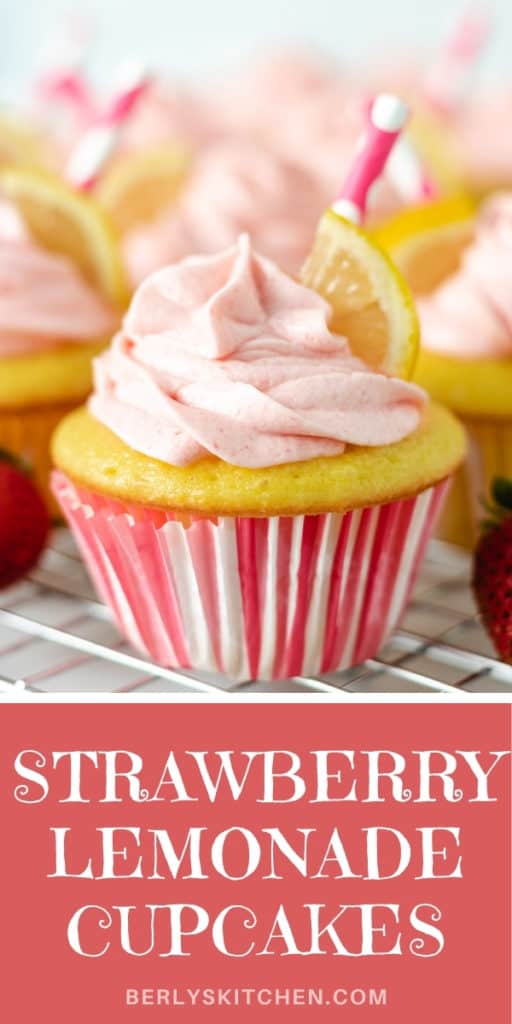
[[470, 314], [226, 355]]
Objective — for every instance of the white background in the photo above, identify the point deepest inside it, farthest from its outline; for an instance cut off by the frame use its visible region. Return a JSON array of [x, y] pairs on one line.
[[190, 36]]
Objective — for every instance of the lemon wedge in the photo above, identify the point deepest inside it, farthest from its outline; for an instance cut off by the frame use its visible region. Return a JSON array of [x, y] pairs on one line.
[[137, 186], [426, 242], [371, 303], [69, 223]]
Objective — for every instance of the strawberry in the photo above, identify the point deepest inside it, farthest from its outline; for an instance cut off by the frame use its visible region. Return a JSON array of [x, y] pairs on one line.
[[492, 569], [24, 521]]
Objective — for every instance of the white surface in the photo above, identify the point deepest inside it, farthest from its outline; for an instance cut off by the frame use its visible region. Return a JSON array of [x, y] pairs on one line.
[[194, 36]]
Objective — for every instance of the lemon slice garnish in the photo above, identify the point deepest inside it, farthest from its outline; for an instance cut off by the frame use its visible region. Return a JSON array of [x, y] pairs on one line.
[[72, 224], [371, 303], [427, 242], [137, 186]]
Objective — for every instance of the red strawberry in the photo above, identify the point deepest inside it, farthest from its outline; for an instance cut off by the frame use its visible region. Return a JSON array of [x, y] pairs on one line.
[[492, 569], [24, 521]]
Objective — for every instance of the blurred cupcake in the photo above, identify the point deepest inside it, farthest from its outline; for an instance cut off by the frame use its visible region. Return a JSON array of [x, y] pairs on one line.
[[249, 497], [170, 113], [466, 359], [234, 188], [483, 143], [255, 102], [60, 303]]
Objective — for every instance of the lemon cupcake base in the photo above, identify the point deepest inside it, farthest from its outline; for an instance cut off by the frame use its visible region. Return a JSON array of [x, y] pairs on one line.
[[470, 387], [489, 455], [59, 374], [480, 392], [27, 434], [91, 455]]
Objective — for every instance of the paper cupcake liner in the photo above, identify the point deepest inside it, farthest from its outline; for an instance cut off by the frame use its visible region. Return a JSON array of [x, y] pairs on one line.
[[489, 455], [27, 433], [252, 598]]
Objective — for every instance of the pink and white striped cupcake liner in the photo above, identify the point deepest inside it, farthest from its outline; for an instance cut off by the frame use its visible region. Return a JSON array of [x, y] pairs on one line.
[[252, 598]]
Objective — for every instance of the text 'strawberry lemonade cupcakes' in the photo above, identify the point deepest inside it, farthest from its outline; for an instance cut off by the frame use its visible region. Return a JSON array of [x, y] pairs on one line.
[[250, 496], [62, 289]]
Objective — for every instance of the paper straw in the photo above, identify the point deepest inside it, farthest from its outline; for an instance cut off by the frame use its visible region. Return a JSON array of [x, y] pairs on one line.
[[449, 77], [62, 61], [98, 144], [407, 173], [388, 116]]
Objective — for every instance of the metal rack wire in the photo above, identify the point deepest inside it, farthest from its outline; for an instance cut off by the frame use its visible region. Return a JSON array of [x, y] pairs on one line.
[[56, 637]]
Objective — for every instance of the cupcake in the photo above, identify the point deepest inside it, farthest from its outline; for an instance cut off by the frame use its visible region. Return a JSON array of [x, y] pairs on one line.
[[483, 145], [170, 113], [55, 315], [466, 360], [250, 498], [234, 188]]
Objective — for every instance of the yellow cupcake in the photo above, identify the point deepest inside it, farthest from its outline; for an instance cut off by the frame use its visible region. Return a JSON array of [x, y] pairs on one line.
[[470, 371], [249, 497], [63, 297], [95, 458]]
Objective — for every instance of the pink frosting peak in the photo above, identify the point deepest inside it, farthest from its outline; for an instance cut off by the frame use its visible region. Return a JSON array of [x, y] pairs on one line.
[[235, 188], [483, 140], [44, 301], [470, 314], [169, 113], [228, 356]]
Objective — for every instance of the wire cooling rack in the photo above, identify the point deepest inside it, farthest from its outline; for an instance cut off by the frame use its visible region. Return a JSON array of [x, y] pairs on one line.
[[56, 637]]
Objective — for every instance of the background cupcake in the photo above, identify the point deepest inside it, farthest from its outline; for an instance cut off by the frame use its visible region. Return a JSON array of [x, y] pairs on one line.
[[247, 494], [62, 289], [233, 188], [466, 360]]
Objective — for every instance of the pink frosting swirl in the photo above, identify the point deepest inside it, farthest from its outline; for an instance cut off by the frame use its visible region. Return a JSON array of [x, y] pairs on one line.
[[235, 188], [227, 355], [470, 314], [169, 112], [483, 141], [44, 301]]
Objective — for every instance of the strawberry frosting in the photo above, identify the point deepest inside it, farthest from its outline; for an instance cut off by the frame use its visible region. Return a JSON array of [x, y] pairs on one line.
[[483, 140], [169, 113], [44, 301], [235, 188], [226, 355], [470, 314]]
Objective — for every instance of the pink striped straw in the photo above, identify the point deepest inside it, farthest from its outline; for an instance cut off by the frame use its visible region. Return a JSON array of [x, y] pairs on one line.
[[450, 75], [63, 59], [408, 174], [100, 141], [388, 116]]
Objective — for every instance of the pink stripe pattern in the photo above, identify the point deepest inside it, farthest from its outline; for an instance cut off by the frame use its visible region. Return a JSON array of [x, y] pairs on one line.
[[252, 598]]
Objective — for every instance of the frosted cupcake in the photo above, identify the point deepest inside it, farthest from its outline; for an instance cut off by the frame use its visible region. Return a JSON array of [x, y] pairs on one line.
[[57, 311], [466, 359], [234, 188], [483, 143], [249, 496], [172, 113]]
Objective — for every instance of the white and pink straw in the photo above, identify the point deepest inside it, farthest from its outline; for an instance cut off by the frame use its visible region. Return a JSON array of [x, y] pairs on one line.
[[388, 117], [450, 75], [408, 174], [63, 59], [103, 137]]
